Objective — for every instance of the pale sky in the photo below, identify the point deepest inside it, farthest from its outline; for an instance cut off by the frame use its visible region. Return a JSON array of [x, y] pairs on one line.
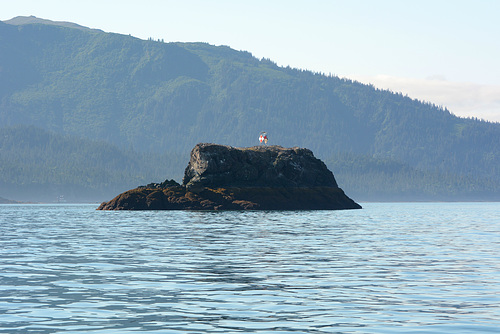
[[443, 51]]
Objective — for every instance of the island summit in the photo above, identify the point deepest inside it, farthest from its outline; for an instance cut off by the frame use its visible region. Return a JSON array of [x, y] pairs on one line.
[[220, 177]]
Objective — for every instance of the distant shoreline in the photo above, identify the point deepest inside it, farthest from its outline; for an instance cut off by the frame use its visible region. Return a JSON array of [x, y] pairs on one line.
[[8, 201]]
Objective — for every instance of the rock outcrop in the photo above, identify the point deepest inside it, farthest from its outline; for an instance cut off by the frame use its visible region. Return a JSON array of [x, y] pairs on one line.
[[257, 178], [259, 166]]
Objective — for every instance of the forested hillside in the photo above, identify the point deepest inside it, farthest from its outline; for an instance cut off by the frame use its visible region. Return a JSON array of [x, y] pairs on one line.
[[149, 97], [37, 165]]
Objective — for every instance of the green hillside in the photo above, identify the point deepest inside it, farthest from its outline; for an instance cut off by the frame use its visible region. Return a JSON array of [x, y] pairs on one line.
[[37, 165], [156, 98]]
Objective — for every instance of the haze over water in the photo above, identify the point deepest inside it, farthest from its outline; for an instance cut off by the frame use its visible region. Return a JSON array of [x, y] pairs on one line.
[[389, 268]]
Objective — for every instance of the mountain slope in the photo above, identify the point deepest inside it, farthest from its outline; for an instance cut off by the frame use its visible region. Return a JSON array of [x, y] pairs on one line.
[[38, 165], [156, 97], [22, 20]]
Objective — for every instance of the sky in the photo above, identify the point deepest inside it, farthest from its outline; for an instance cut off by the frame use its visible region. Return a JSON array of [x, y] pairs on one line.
[[446, 52]]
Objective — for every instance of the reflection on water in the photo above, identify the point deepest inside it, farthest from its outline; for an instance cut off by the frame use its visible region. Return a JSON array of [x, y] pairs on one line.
[[389, 268]]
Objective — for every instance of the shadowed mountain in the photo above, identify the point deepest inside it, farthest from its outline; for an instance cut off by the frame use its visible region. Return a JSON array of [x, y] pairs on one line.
[[150, 96]]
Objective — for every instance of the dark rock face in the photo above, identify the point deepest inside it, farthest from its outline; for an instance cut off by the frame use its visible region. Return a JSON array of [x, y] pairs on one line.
[[259, 166], [256, 178], [256, 198]]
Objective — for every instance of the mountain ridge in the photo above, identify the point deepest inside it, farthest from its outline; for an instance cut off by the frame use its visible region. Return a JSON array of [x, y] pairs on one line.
[[23, 20], [157, 97]]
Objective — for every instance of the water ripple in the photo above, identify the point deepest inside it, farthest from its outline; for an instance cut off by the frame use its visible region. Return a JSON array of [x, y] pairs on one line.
[[427, 268]]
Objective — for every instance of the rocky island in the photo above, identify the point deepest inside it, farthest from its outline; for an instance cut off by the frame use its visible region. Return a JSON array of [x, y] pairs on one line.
[[220, 177]]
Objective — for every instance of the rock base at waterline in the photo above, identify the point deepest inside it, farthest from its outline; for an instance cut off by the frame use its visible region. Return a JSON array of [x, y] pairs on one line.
[[258, 198]]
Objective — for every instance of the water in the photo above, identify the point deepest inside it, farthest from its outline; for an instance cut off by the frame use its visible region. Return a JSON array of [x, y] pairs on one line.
[[389, 268]]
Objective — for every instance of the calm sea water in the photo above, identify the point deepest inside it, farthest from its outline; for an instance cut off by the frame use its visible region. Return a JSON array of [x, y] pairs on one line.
[[389, 268]]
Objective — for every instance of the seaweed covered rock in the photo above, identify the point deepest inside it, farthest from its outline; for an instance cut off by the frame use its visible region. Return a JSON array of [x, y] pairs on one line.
[[222, 177]]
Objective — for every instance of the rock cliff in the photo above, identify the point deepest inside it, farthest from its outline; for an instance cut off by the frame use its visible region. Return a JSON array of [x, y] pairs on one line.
[[257, 178], [260, 166]]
